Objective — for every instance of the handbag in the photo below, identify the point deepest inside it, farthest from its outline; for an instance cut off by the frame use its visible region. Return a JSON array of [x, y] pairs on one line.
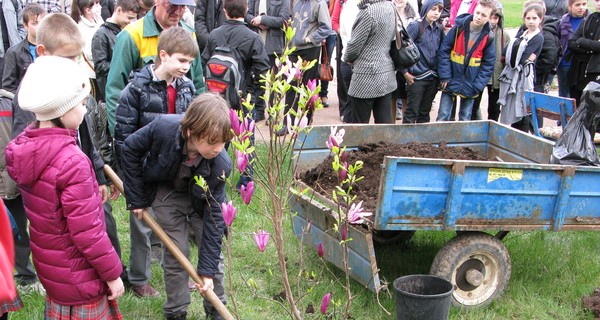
[[403, 51], [325, 69]]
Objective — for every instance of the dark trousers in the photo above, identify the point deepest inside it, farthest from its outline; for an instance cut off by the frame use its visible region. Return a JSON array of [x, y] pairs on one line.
[[312, 73], [493, 107], [346, 71], [329, 45], [25, 273], [342, 89], [419, 100], [380, 106]]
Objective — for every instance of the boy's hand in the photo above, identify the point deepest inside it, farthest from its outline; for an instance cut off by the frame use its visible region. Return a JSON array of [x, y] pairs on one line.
[[208, 284], [103, 192], [410, 79], [114, 192], [532, 57], [139, 213], [116, 288]]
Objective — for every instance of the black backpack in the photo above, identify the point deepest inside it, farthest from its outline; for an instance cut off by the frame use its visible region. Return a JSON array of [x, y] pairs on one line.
[[224, 74]]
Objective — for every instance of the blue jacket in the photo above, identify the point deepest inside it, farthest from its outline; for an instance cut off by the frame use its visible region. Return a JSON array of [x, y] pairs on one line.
[[428, 39], [467, 73], [152, 155], [144, 99]]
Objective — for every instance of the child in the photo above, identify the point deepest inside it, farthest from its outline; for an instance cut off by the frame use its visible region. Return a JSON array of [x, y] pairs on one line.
[[471, 37], [156, 89], [567, 26], [160, 162], [104, 39], [585, 62], [422, 78], [87, 15], [502, 39], [519, 73], [407, 13], [20, 56], [74, 258]]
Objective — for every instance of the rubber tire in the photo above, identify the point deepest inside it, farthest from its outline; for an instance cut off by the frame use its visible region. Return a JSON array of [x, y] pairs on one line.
[[477, 250], [392, 237]]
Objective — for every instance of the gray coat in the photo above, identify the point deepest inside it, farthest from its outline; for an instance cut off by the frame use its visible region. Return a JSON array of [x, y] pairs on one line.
[[14, 23], [310, 19], [278, 11], [369, 50]]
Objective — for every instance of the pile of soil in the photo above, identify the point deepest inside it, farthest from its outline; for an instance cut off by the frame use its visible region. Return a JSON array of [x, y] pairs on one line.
[[324, 180], [592, 303]]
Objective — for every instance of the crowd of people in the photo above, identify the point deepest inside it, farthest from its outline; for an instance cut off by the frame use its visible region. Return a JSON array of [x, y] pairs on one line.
[[124, 83]]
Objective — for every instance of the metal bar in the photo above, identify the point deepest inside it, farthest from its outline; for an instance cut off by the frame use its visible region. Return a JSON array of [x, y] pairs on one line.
[[452, 208], [562, 199]]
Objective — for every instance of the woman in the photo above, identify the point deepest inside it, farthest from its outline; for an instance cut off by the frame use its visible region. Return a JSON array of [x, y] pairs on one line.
[[368, 51], [87, 15]]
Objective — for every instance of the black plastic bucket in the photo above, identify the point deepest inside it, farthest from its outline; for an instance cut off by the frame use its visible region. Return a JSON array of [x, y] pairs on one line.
[[422, 297]]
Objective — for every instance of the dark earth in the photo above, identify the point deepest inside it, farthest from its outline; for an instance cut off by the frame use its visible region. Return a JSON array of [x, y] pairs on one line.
[[324, 180], [592, 303]]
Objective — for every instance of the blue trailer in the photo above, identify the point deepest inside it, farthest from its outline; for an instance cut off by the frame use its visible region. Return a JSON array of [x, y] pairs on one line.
[[519, 191]]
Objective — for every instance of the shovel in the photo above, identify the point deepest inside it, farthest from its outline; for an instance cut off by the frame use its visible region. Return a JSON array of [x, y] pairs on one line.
[[185, 263]]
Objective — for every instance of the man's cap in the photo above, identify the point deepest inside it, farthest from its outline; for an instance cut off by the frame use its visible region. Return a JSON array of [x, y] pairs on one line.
[[183, 2]]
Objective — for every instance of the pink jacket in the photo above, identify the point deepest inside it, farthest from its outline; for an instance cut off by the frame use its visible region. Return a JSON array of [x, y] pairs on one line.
[[455, 5], [71, 250]]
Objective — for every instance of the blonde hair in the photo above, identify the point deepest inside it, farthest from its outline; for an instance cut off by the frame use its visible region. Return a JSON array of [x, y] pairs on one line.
[[207, 118], [57, 30], [534, 2]]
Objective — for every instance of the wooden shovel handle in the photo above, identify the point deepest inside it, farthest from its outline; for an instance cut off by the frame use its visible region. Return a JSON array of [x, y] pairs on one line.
[[185, 263]]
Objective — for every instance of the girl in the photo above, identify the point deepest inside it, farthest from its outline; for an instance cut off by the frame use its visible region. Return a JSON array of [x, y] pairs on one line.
[[567, 26], [585, 46], [519, 73], [87, 15], [75, 261]]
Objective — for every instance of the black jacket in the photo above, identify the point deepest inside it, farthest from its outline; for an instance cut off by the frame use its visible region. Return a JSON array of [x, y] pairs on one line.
[[209, 16], [152, 155], [144, 99], [236, 35], [16, 61], [586, 51], [551, 50], [103, 43]]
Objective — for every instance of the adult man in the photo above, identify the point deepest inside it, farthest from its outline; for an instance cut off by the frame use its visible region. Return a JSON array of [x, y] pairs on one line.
[[209, 16], [466, 60], [137, 46]]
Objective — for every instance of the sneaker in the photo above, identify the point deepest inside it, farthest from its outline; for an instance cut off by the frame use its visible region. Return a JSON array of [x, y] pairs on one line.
[[35, 287], [325, 102], [145, 291]]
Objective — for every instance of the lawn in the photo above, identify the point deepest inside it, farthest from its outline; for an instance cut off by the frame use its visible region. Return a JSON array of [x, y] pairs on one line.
[[513, 12], [550, 273]]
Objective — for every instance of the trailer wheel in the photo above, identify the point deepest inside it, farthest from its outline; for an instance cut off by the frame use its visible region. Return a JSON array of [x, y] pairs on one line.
[[477, 264], [392, 237]]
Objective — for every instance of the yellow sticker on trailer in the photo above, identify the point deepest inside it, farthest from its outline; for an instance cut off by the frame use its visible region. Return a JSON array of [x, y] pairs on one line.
[[510, 174]]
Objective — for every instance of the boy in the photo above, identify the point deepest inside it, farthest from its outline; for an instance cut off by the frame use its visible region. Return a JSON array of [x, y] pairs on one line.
[[20, 56], [104, 39], [234, 34], [160, 162], [58, 35], [156, 89], [567, 26], [502, 39], [470, 38], [422, 78]]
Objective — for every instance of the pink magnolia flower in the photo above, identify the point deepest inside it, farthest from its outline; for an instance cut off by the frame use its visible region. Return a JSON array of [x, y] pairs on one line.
[[312, 86], [228, 212], [261, 238], [320, 251], [297, 125], [242, 160], [235, 122], [356, 214], [335, 138], [344, 171], [325, 302], [246, 192]]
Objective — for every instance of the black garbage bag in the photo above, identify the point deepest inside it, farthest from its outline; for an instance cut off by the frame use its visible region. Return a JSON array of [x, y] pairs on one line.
[[576, 144]]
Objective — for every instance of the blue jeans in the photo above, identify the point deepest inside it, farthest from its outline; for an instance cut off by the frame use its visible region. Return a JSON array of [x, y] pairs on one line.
[[464, 113], [563, 86]]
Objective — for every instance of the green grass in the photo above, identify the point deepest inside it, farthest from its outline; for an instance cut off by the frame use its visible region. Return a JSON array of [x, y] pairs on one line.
[[513, 12], [550, 273]]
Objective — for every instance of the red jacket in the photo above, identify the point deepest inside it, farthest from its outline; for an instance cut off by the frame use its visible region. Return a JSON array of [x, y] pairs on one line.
[[71, 250]]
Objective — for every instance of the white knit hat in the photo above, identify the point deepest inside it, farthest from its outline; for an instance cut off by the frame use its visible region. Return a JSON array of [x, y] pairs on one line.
[[52, 86]]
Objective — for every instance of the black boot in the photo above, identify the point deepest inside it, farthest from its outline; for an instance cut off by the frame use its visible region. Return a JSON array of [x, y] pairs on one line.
[[176, 316]]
